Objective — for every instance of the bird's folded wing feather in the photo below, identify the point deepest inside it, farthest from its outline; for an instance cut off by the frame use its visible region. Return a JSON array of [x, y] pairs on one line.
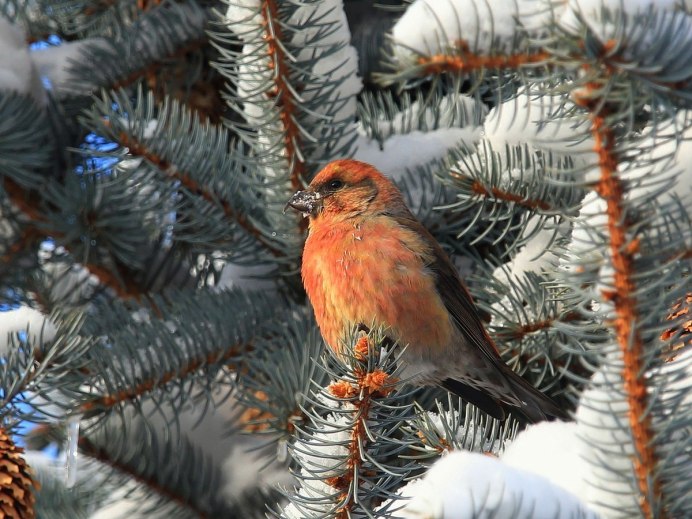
[[454, 294]]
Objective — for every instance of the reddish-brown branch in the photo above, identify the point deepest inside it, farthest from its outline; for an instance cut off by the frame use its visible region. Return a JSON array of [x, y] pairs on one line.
[[462, 59], [28, 202], [371, 385], [123, 286], [26, 238], [145, 5], [102, 5], [138, 149], [279, 63], [500, 194], [517, 334], [622, 249], [146, 386], [98, 7], [100, 454], [523, 330], [154, 68]]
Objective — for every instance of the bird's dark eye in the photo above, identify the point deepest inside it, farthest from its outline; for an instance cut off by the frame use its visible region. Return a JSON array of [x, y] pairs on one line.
[[335, 184]]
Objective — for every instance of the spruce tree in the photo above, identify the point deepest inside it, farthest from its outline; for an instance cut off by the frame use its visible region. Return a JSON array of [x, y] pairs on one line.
[[158, 354]]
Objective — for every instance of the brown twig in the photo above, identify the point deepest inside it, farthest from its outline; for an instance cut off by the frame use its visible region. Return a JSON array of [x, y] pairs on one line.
[[368, 386], [159, 380], [96, 8], [139, 149], [100, 454], [462, 59], [25, 239], [28, 202], [154, 67], [519, 332], [279, 63], [501, 194], [623, 297]]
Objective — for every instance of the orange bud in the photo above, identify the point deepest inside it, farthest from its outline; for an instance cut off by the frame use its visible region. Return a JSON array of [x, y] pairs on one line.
[[361, 348], [342, 389]]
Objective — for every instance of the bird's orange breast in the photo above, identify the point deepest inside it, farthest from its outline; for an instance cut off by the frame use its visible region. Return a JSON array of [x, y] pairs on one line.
[[374, 271]]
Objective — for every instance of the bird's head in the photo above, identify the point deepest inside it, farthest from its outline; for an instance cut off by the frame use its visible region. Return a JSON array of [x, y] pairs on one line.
[[345, 189]]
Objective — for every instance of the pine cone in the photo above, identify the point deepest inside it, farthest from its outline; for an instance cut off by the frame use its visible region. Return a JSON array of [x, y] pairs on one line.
[[16, 492]]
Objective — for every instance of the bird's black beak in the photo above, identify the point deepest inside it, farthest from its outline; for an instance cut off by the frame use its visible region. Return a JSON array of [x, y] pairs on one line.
[[306, 202]]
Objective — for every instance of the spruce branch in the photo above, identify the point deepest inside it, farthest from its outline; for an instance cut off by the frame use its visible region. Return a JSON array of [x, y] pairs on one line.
[[37, 371], [99, 17], [26, 147], [631, 237], [26, 201], [516, 193], [176, 354], [367, 386], [457, 427], [38, 225], [506, 196], [172, 148], [623, 248], [173, 473], [348, 452], [628, 53], [27, 232], [516, 176], [168, 31], [276, 400], [102, 455], [296, 86], [106, 402], [278, 62], [461, 60], [152, 69], [532, 324]]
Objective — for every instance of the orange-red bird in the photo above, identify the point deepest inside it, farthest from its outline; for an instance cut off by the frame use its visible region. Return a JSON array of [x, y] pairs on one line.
[[368, 260]]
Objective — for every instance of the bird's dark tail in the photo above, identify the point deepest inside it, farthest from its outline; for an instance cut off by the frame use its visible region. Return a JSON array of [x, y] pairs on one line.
[[481, 400], [534, 407]]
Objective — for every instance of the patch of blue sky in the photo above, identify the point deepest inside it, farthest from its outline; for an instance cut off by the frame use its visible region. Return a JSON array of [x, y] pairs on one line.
[[9, 300], [23, 428], [98, 156], [51, 41]]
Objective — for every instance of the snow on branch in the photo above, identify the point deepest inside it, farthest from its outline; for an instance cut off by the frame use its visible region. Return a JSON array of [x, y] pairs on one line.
[[17, 71], [429, 26], [466, 485], [467, 36]]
